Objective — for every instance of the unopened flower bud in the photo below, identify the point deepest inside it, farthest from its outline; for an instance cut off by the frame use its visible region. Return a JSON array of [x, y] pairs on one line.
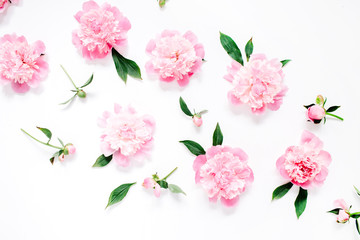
[[69, 149], [316, 113], [62, 157], [81, 94], [197, 120]]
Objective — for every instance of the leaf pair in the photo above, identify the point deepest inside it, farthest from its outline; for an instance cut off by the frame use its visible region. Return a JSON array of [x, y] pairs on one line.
[[197, 149], [301, 199], [234, 52], [125, 66], [172, 187]]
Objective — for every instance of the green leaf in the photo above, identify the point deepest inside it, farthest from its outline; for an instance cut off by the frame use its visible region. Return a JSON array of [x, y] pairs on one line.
[[194, 147], [69, 100], [300, 202], [355, 215], [119, 193], [102, 161], [184, 107], [357, 191], [284, 62], [133, 69], [335, 211], [310, 105], [231, 48], [46, 131], [217, 136], [52, 160], [120, 65], [61, 142], [163, 184], [176, 189], [280, 191], [88, 81], [249, 49], [357, 226], [332, 109]]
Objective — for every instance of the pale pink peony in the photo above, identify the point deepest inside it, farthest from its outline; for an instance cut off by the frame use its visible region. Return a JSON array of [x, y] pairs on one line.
[[101, 29], [343, 215], [126, 134], [306, 164], [70, 148], [223, 173], [315, 113], [175, 56], [197, 121], [22, 64], [150, 183], [259, 83]]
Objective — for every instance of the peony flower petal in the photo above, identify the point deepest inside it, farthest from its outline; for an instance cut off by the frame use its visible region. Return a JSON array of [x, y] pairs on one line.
[[230, 202], [106, 149], [189, 35], [184, 81], [310, 139], [340, 203], [157, 190], [20, 88], [120, 159]]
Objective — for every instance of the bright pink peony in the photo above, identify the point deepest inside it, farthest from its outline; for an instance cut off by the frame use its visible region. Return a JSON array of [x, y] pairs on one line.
[[175, 56], [5, 3], [101, 29], [22, 64], [343, 215], [306, 164], [259, 83], [223, 173], [150, 183], [126, 134], [315, 113]]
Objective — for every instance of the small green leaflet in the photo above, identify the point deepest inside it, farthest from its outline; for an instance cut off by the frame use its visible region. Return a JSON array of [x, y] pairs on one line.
[[217, 136], [284, 62], [88, 81], [102, 161], [280, 191], [119, 193], [163, 184], [184, 107], [355, 215], [335, 211], [46, 131], [310, 105], [175, 189], [357, 191], [357, 226], [231, 48], [194, 147], [332, 109], [249, 49], [300, 202], [125, 66], [61, 142]]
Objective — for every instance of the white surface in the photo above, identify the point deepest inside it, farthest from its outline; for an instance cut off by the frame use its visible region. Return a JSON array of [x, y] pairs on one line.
[[66, 201]]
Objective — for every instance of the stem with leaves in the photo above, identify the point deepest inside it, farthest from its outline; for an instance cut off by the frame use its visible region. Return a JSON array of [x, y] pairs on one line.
[[46, 144]]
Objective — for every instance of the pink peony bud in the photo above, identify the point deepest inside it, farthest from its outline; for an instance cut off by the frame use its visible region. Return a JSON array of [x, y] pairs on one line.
[[342, 217], [316, 113], [70, 149], [151, 183], [61, 157], [197, 120]]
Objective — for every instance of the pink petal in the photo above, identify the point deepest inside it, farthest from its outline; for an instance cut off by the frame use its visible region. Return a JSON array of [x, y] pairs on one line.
[[121, 159], [281, 168], [89, 5], [117, 108], [150, 46], [340, 203], [20, 88], [167, 79], [257, 56], [259, 110], [324, 157], [199, 162], [39, 47], [184, 81], [191, 37], [212, 151], [196, 66], [233, 99], [230, 202], [199, 50], [309, 138], [321, 176], [157, 190], [169, 33], [239, 153], [148, 183]]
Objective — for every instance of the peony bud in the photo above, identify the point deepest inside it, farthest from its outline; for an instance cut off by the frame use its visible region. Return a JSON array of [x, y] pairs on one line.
[[316, 113], [69, 149], [197, 120], [61, 157], [343, 216], [81, 94]]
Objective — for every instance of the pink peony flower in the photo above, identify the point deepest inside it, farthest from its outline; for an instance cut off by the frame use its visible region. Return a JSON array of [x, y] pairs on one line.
[[197, 121], [175, 56], [306, 164], [315, 113], [259, 83], [343, 215], [101, 29], [150, 183], [22, 64], [126, 134], [223, 173]]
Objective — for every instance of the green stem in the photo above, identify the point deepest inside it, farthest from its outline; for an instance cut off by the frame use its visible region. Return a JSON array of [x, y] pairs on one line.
[[169, 174], [47, 144], [69, 77], [330, 114]]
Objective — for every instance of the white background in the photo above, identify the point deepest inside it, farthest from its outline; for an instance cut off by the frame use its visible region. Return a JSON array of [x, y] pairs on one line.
[[66, 201]]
